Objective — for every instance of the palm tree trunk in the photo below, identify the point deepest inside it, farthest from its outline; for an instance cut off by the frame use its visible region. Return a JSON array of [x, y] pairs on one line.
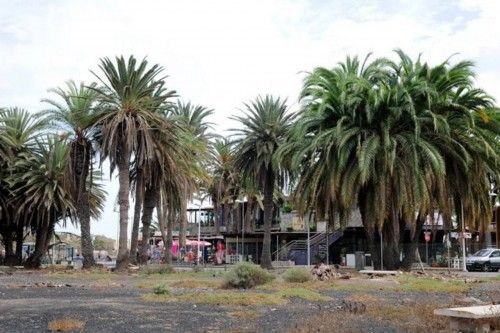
[[122, 259], [372, 236], [43, 234], [169, 217], [20, 240], [80, 154], [391, 233], [249, 215], [86, 238], [150, 201], [217, 217], [183, 221], [161, 213], [411, 247], [266, 261], [225, 214], [8, 241], [139, 194]]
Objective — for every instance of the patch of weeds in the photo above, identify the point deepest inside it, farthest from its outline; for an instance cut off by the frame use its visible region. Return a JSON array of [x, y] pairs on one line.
[[221, 298], [247, 275], [157, 269], [193, 284], [427, 284], [415, 318], [161, 289], [354, 287], [338, 322], [67, 324], [305, 294], [362, 297], [234, 298], [246, 315], [278, 285], [297, 275]]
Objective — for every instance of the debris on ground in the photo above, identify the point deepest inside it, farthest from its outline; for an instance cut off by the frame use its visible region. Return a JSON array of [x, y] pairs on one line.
[[133, 268], [324, 272], [444, 276]]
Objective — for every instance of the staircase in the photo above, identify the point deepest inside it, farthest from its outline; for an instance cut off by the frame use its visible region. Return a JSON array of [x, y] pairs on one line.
[[297, 249]]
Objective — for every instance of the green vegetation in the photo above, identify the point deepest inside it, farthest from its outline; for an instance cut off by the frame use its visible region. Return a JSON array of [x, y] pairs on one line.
[[247, 275], [427, 284], [161, 289], [297, 275], [397, 139], [306, 294], [221, 298]]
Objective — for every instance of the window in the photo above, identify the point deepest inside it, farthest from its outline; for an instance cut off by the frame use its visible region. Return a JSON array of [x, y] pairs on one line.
[[495, 254]]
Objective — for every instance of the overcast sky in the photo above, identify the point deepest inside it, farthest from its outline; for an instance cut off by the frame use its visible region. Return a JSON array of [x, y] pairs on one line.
[[222, 53]]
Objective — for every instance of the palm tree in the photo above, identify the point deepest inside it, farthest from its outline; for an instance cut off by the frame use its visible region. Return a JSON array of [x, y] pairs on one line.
[[131, 94], [225, 184], [192, 119], [75, 115], [380, 135], [19, 130], [265, 127], [43, 174]]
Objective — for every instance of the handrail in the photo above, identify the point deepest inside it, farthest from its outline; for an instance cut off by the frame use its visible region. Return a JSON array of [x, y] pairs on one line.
[[301, 244]]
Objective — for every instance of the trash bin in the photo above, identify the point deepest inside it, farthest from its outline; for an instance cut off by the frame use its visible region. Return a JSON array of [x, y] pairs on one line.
[[359, 260]]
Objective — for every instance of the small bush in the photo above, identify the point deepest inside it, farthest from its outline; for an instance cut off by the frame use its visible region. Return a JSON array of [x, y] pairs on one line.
[[161, 289], [246, 275], [297, 275], [157, 269]]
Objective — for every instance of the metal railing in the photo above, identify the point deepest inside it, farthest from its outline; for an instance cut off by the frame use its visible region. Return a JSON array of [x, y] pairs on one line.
[[301, 244]]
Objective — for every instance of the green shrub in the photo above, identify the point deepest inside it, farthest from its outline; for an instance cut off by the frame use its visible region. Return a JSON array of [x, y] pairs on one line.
[[161, 289], [247, 275], [287, 208], [157, 269], [297, 275]]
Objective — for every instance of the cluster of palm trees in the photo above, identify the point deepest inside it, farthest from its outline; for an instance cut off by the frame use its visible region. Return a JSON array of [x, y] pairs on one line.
[[128, 119], [400, 140]]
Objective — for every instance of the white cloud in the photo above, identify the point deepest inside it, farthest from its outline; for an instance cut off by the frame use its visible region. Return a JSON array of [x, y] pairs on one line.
[[221, 53]]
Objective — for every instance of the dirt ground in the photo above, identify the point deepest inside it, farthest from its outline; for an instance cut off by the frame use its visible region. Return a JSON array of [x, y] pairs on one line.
[[106, 302]]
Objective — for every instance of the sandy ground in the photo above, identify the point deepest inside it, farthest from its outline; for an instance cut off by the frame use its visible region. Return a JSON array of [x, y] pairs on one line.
[[30, 300]]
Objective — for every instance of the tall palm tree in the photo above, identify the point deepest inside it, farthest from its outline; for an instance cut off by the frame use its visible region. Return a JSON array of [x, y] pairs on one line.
[[131, 93], [75, 115], [225, 181], [46, 198], [265, 127], [387, 136], [19, 130], [192, 119]]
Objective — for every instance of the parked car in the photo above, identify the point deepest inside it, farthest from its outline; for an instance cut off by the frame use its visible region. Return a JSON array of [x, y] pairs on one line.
[[486, 260]]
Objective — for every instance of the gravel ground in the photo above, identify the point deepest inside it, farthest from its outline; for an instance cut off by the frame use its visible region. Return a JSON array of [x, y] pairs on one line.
[[28, 302]]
